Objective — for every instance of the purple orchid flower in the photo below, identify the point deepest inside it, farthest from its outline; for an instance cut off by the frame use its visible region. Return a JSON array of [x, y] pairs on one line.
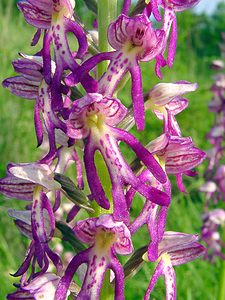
[[31, 85], [212, 221], [209, 187], [42, 287], [165, 100], [220, 180], [178, 154], [42, 230], [176, 248], [106, 238], [134, 40], [170, 8], [57, 18], [93, 117]]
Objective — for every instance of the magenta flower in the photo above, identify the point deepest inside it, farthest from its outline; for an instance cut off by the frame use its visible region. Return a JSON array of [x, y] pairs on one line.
[[42, 230], [31, 85], [166, 101], [57, 18], [93, 117], [170, 8], [106, 238], [176, 248], [178, 154], [134, 40]]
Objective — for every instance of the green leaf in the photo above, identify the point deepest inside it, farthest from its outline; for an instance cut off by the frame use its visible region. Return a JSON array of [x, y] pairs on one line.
[[92, 5], [138, 9], [134, 263], [76, 195], [68, 235]]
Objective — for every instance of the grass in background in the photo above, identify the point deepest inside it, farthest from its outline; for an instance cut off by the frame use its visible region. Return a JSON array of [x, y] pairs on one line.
[[196, 280]]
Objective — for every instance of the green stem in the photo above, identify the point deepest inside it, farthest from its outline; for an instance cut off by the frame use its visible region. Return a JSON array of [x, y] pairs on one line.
[[221, 292], [107, 12]]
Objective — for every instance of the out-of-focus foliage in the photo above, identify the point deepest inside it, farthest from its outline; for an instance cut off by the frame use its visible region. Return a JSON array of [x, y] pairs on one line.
[[201, 33]]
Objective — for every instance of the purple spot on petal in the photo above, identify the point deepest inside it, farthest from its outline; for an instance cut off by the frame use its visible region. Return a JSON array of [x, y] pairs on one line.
[[109, 77], [119, 55]]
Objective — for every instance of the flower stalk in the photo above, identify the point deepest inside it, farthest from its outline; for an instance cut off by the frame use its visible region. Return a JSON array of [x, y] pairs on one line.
[[107, 12]]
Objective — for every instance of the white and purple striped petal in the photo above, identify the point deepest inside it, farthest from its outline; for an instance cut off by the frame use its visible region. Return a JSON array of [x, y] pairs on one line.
[[17, 188], [40, 174], [37, 13], [163, 93]]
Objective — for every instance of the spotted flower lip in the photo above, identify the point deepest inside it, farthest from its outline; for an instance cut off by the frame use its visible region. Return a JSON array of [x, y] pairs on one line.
[[143, 45], [42, 223], [94, 124]]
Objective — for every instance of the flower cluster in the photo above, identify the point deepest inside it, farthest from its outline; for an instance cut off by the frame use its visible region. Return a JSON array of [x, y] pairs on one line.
[[214, 186], [78, 113]]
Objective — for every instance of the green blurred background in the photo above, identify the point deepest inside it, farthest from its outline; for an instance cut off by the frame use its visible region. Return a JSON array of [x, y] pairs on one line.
[[199, 37]]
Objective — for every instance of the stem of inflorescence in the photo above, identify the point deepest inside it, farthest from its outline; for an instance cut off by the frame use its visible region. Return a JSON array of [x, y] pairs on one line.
[[107, 12]]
